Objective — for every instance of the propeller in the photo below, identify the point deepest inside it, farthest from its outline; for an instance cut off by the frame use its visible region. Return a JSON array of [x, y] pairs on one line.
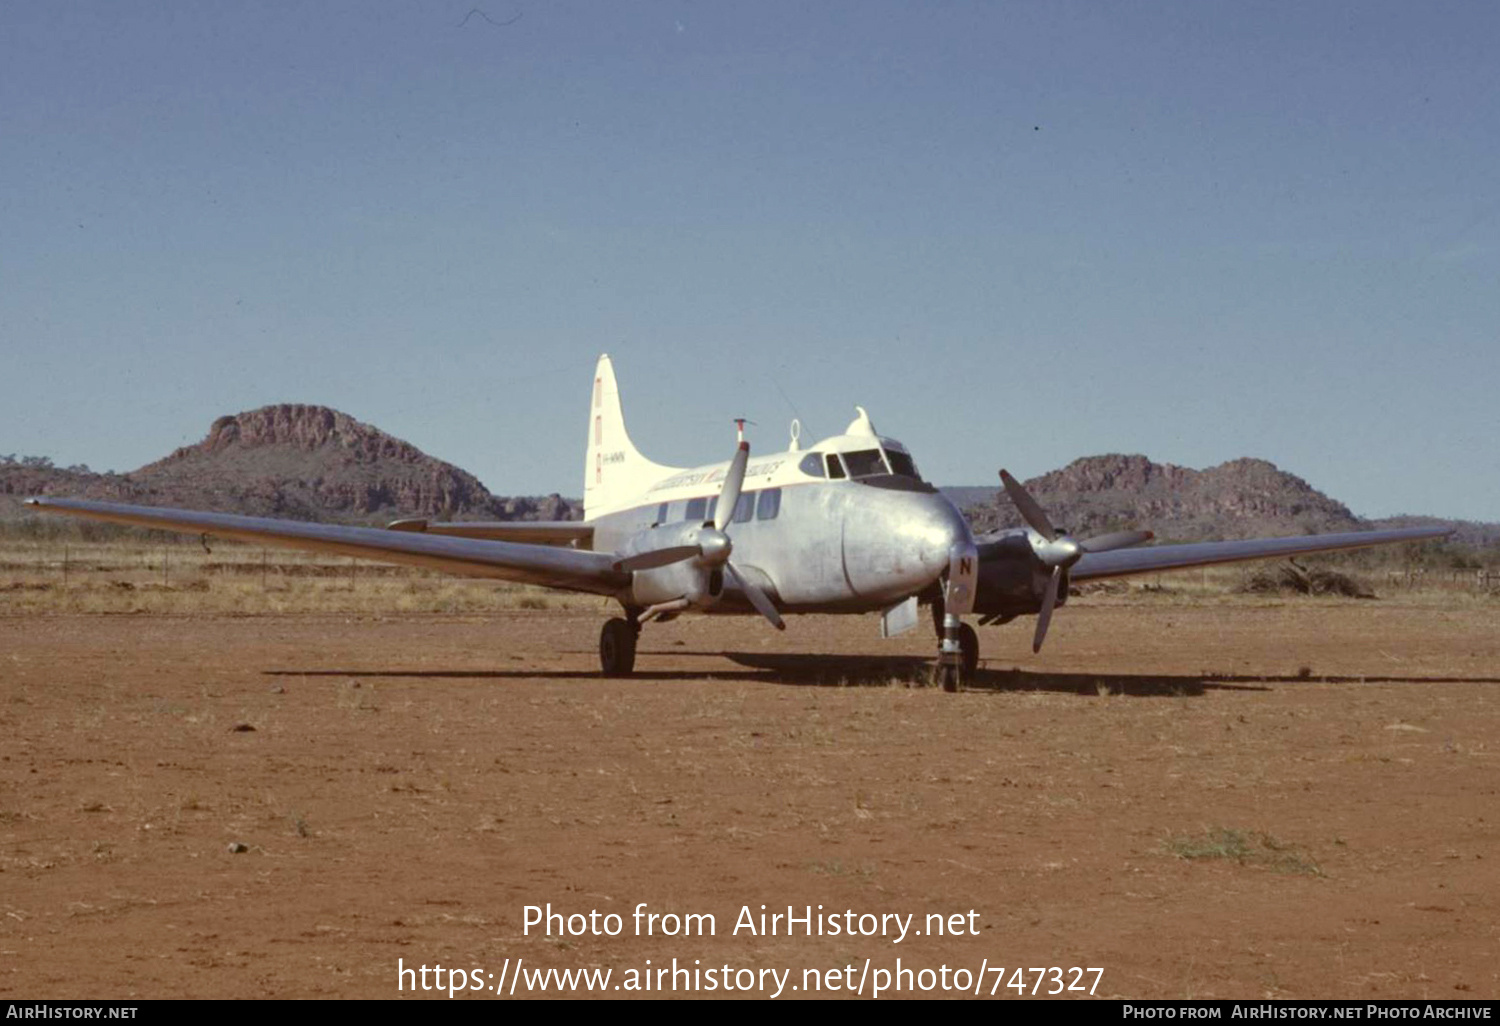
[[1060, 551], [729, 492], [713, 547], [657, 558]]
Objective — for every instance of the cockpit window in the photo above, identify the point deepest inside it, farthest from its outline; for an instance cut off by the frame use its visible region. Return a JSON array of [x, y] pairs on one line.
[[901, 463], [835, 468], [811, 465], [864, 463]]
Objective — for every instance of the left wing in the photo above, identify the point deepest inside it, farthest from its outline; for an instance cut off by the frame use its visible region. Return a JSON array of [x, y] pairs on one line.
[[1120, 562], [549, 566]]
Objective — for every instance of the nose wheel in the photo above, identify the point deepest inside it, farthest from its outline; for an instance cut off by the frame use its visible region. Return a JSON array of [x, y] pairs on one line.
[[958, 654]]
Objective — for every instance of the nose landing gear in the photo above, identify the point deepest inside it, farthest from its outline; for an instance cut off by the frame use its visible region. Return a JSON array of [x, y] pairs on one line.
[[958, 654], [958, 645]]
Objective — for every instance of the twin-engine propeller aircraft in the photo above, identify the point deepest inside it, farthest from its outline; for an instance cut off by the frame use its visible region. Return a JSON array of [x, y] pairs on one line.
[[843, 526]]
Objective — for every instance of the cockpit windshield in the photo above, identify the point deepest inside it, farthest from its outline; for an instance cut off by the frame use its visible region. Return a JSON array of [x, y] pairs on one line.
[[872, 462], [902, 463], [864, 463]]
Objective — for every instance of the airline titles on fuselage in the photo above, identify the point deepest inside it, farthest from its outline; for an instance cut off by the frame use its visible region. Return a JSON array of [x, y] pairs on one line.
[[714, 474]]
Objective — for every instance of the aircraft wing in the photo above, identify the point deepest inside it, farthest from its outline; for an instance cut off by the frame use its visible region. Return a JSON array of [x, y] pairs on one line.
[[526, 532], [1120, 562], [551, 567]]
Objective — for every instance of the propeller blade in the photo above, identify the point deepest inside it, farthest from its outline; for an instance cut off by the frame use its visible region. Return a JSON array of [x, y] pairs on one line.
[[1044, 615], [734, 480], [657, 558], [1030, 511], [758, 598], [1117, 540]]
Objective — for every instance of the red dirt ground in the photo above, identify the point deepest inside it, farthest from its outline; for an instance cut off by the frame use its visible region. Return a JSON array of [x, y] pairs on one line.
[[411, 783]]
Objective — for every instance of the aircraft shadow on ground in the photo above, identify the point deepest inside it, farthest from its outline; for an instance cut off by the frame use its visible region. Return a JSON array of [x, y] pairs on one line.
[[884, 671], [817, 670]]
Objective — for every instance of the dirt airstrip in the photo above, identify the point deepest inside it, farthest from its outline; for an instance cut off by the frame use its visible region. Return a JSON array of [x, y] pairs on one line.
[[1282, 799]]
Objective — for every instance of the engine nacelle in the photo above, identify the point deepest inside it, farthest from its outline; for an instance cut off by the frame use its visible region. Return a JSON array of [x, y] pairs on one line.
[[1012, 580], [691, 578], [701, 586]]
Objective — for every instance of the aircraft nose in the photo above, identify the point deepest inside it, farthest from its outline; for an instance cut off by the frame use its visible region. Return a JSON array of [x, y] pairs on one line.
[[896, 546], [941, 528]]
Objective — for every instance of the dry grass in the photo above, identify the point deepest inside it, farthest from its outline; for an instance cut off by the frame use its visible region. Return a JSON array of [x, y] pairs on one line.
[[1243, 847], [181, 576], [1226, 585], [130, 577]]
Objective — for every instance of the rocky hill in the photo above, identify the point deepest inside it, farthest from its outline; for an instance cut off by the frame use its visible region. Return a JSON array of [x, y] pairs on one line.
[[314, 463], [1244, 498], [295, 461]]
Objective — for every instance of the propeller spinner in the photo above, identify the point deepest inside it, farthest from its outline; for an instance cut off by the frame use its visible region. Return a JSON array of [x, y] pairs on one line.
[[1060, 551]]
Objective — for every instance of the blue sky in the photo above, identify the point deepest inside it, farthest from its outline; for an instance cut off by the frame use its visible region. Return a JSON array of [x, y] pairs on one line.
[[1018, 233]]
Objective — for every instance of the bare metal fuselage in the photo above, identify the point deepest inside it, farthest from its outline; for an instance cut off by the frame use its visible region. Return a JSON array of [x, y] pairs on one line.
[[848, 546]]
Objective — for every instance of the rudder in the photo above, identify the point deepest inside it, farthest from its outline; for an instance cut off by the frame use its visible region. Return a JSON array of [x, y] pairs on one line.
[[615, 473]]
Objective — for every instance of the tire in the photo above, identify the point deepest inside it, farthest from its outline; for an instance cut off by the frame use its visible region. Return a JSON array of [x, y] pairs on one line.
[[617, 648], [946, 676], [968, 642]]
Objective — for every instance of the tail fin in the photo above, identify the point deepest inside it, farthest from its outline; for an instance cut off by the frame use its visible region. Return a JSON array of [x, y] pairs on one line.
[[615, 474]]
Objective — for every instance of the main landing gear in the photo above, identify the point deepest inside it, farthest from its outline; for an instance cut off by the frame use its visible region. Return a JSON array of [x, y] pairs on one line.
[[617, 646]]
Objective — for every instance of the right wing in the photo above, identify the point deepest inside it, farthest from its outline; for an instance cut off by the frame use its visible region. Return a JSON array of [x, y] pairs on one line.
[[551, 567], [526, 532], [1120, 562]]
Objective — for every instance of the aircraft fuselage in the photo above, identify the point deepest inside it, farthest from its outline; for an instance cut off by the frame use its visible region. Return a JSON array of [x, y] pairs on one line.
[[845, 545]]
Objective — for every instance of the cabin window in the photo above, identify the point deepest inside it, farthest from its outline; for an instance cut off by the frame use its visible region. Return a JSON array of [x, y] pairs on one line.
[[768, 505], [835, 468], [661, 513], [865, 463], [695, 509], [713, 507], [901, 463], [811, 465], [744, 509]]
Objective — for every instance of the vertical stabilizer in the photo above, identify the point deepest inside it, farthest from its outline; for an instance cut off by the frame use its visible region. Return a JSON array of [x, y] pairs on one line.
[[616, 475]]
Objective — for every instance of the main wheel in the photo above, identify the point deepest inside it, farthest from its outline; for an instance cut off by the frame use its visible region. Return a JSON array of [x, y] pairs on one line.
[[968, 642], [617, 647]]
